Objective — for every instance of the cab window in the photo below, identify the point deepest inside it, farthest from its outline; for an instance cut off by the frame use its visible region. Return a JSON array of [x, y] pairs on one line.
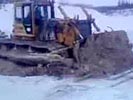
[[26, 11], [18, 13]]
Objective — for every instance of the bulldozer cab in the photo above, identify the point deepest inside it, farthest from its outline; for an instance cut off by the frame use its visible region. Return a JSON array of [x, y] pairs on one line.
[[29, 18]]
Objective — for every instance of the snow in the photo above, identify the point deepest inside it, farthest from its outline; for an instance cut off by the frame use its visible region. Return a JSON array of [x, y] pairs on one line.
[[6, 18], [70, 11], [52, 88], [92, 2], [116, 22]]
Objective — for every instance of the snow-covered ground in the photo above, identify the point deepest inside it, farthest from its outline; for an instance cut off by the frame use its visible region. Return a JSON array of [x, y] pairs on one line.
[[51, 88]]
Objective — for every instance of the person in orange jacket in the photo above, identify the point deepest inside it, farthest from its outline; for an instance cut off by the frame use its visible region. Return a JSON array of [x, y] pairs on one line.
[[70, 36]]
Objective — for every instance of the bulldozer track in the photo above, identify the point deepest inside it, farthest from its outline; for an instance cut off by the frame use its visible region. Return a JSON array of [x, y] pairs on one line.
[[46, 46]]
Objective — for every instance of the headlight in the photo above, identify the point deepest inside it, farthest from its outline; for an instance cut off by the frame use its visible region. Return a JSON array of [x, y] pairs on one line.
[[28, 29]]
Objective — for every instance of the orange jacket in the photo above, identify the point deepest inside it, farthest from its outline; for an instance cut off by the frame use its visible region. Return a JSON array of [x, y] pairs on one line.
[[68, 36]]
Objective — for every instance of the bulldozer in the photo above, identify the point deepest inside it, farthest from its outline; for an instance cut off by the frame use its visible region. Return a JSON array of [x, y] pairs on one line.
[[35, 43], [35, 30]]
